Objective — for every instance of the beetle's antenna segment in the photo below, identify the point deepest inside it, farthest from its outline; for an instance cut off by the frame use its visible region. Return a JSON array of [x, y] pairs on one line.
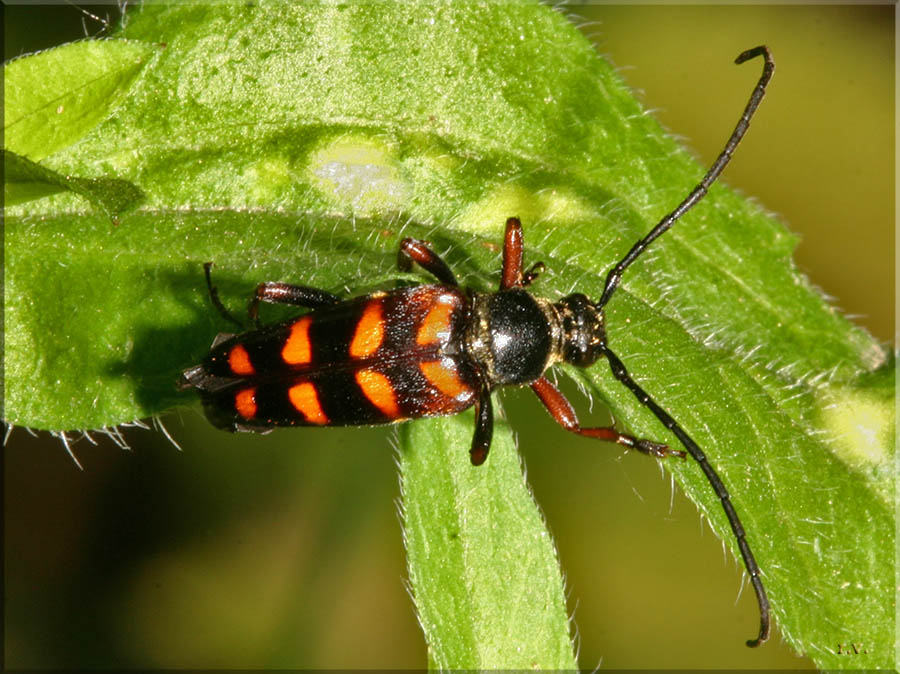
[[615, 274], [621, 373]]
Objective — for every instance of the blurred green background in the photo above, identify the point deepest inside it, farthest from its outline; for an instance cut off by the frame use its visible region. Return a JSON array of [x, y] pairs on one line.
[[285, 550]]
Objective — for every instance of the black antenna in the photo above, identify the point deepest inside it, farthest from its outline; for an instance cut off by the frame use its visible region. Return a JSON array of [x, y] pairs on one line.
[[621, 373], [615, 274]]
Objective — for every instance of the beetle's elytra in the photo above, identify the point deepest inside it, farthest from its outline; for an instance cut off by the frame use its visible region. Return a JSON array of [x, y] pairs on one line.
[[439, 349]]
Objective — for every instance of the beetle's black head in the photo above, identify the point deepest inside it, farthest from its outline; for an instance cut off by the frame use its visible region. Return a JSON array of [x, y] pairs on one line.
[[584, 335]]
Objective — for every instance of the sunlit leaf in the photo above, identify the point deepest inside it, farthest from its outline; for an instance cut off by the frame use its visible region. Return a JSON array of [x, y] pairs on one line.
[[300, 142]]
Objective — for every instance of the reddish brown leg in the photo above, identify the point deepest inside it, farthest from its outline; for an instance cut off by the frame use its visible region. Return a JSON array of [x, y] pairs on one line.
[[416, 250], [275, 292], [513, 253], [561, 410]]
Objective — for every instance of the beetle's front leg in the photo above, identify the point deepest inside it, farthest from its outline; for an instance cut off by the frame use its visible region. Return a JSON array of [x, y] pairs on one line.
[[561, 410], [513, 255]]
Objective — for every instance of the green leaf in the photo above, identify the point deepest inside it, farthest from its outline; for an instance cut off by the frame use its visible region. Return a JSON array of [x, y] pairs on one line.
[[300, 142], [55, 97], [26, 180], [482, 565]]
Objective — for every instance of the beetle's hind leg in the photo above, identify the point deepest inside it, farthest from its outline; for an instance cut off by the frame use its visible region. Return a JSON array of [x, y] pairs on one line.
[[214, 298], [274, 292], [561, 410]]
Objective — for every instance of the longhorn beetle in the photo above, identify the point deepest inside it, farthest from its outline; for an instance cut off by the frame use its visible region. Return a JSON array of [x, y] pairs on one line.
[[433, 350]]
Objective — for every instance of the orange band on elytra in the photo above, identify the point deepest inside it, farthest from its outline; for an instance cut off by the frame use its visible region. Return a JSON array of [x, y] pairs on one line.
[[239, 361], [305, 400], [444, 378], [369, 331], [380, 392], [245, 402], [436, 325], [297, 349]]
